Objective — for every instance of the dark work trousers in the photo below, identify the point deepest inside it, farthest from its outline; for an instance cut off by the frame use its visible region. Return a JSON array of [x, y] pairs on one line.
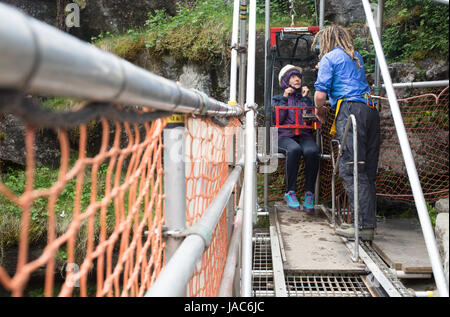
[[294, 148], [368, 130]]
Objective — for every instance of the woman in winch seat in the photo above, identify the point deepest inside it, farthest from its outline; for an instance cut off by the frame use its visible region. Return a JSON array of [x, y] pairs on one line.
[[293, 145]]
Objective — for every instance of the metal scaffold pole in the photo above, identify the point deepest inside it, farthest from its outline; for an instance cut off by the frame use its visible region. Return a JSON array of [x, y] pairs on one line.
[[174, 171], [234, 54], [321, 13], [379, 22], [250, 159], [416, 187], [266, 99]]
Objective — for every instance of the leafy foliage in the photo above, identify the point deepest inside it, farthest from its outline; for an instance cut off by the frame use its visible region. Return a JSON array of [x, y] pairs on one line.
[[198, 32], [415, 30], [44, 178], [280, 15], [365, 47]]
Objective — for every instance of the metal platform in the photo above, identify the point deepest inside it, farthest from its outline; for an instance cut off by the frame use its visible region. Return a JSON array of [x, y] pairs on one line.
[[299, 255], [401, 244], [310, 244], [301, 284]]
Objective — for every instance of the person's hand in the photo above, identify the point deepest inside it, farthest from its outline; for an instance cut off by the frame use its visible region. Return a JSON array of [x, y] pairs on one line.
[[288, 91], [317, 66], [321, 114], [305, 91]]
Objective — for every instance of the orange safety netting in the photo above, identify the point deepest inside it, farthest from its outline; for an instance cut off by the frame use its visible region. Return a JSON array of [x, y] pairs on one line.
[[209, 150], [425, 116], [107, 241]]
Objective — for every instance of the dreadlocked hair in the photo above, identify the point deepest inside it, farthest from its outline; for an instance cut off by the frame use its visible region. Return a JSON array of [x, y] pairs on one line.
[[333, 36]]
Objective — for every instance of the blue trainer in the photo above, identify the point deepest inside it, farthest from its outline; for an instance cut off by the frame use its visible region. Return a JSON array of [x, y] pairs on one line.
[[292, 200], [308, 205]]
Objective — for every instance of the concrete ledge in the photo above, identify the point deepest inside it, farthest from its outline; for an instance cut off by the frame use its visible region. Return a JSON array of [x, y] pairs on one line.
[[442, 238], [442, 205]]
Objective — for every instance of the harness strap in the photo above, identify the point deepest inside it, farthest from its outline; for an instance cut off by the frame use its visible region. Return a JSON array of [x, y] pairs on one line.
[[338, 106]]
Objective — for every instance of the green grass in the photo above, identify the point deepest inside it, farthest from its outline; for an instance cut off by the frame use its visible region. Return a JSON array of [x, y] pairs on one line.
[[199, 32], [60, 103]]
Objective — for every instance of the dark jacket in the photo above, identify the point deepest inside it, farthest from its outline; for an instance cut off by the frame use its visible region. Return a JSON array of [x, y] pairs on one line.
[[287, 116]]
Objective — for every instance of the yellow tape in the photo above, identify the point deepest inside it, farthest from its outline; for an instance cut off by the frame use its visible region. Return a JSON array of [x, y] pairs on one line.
[[176, 118], [232, 102]]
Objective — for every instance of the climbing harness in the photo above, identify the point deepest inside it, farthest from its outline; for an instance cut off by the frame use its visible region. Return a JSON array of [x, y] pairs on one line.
[[338, 106]]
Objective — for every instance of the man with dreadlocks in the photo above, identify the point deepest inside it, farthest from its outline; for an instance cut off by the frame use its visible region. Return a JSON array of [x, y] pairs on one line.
[[342, 77]]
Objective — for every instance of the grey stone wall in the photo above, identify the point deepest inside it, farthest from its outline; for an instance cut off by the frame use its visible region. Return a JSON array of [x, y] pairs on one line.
[[442, 232]]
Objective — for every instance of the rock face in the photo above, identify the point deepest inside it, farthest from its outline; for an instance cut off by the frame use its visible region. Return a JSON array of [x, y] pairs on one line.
[[98, 16], [117, 16], [12, 145], [442, 233], [442, 205], [44, 10], [210, 79], [344, 12]]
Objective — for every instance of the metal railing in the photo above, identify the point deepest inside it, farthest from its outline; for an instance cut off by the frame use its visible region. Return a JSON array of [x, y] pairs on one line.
[[38, 58], [175, 276], [351, 120], [229, 272], [422, 210], [421, 84], [250, 159]]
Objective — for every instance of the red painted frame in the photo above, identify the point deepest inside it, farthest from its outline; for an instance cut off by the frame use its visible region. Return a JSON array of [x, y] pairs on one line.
[[297, 126], [292, 29]]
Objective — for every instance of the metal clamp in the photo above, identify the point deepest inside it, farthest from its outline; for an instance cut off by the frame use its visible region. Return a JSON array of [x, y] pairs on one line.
[[239, 49], [176, 234], [204, 104], [197, 229], [254, 106], [200, 230]]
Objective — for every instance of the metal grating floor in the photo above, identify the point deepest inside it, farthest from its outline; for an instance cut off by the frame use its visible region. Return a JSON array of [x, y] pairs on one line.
[[300, 284], [326, 285], [263, 285]]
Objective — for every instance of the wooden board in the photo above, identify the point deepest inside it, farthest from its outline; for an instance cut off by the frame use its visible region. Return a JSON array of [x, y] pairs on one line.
[[310, 244], [401, 244]]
